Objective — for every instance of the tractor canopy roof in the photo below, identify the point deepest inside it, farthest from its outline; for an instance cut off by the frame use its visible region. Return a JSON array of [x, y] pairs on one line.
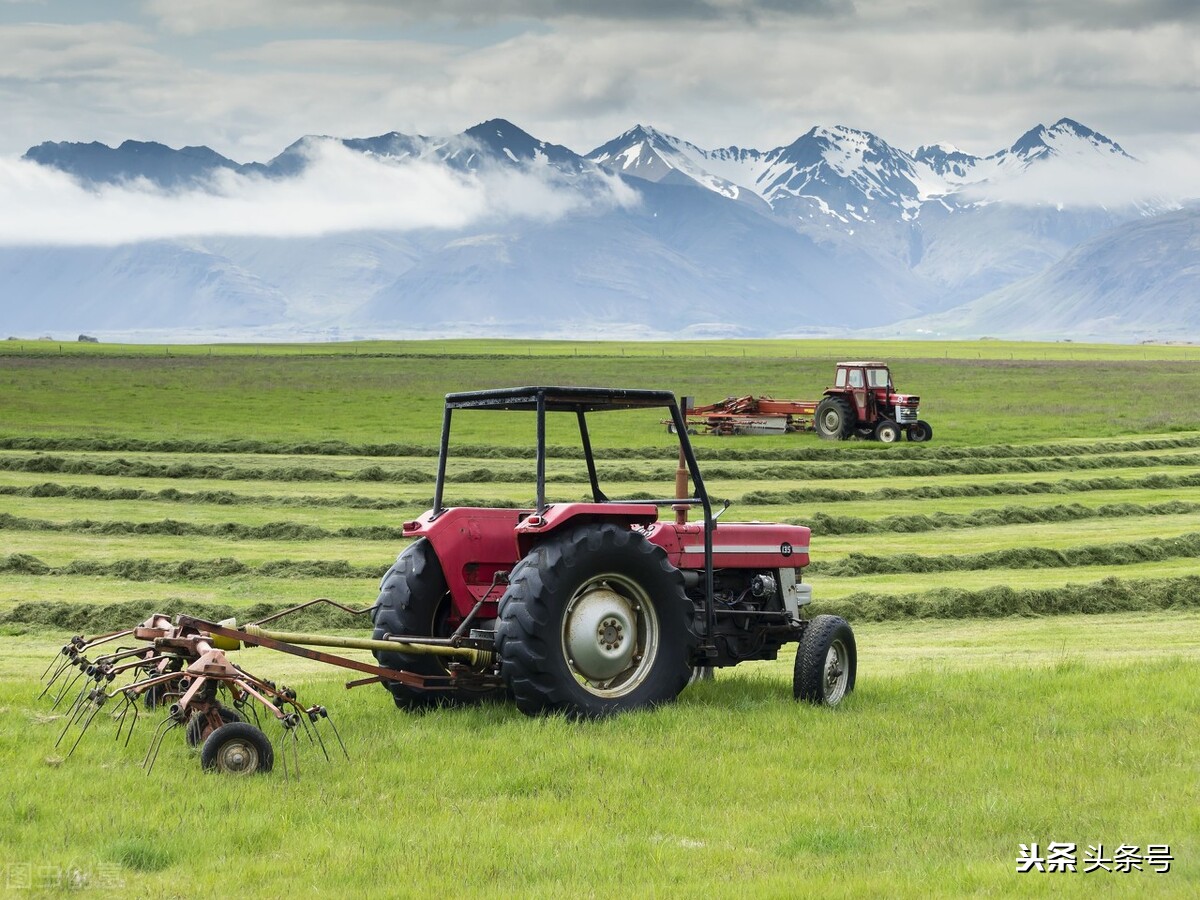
[[560, 399], [866, 364]]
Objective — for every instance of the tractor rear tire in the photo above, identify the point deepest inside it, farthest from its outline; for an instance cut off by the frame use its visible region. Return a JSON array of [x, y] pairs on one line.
[[834, 419], [920, 431], [595, 622], [887, 432], [414, 600], [237, 749], [826, 662]]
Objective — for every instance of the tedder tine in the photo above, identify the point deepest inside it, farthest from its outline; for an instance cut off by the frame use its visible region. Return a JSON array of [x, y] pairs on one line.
[[67, 687], [131, 703], [314, 713], [63, 652], [95, 709], [69, 655], [324, 714], [78, 708], [151, 756]]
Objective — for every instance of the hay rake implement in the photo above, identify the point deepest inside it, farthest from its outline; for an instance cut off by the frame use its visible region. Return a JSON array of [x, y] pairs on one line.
[[182, 665]]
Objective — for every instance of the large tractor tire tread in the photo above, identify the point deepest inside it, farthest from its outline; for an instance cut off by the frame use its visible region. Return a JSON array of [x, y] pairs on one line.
[[532, 633], [412, 598], [826, 662], [834, 419]]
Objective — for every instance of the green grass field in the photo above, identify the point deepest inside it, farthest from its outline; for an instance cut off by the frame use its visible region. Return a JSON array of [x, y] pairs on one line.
[[1025, 591]]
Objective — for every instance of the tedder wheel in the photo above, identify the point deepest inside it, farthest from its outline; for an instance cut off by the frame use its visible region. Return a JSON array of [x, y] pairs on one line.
[[413, 600], [826, 662], [887, 432], [593, 622], [920, 431], [834, 419], [201, 725], [237, 749]]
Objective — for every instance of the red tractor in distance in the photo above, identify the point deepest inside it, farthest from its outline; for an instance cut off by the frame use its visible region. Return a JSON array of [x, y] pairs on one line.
[[864, 401], [594, 607]]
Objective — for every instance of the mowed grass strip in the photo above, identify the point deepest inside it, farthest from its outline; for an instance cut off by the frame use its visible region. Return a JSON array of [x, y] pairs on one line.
[[45, 602], [1001, 600], [821, 523], [61, 504], [898, 797], [827, 524], [800, 449], [465, 471], [1108, 485], [977, 583], [1114, 554], [235, 531]]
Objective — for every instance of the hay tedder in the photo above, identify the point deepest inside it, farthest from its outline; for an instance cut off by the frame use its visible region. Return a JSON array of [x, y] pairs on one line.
[[861, 402], [578, 608]]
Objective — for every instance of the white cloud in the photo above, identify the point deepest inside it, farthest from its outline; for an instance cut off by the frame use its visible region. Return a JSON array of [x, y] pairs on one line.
[[752, 72], [1162, 178], [340, 190]]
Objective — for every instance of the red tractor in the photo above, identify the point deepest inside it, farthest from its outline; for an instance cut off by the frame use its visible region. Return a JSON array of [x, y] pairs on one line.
[[589, 608], [863, 401]]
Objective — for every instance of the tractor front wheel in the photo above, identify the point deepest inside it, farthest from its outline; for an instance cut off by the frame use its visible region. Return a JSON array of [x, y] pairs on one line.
[[595, 622], [920, 431], [826, 662], [834, 419], [887, 432]]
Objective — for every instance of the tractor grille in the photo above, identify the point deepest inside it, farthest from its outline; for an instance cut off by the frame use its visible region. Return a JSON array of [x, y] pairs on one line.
[[906, 415]]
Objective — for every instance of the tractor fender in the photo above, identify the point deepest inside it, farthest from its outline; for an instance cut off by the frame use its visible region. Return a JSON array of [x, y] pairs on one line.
[[536, 527]]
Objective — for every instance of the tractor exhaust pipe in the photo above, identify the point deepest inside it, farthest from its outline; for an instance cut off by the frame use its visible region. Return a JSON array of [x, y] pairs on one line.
[[681, 472]]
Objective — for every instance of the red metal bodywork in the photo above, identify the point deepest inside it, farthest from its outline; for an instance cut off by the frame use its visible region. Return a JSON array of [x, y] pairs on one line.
[[474, 543]]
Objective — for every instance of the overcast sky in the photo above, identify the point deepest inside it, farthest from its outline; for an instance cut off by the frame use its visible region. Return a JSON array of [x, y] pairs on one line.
[[247, 77]]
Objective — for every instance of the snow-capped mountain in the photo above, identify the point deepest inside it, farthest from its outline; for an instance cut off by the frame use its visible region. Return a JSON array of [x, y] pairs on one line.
[[835, 230], [646, 153], [847, 174]]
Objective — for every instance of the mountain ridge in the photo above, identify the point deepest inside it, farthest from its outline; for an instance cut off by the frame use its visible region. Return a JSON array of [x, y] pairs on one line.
[[836, 230]]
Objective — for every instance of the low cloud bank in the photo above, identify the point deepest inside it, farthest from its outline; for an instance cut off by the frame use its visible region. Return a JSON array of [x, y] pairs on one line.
[[340, 190], [1165, 178]]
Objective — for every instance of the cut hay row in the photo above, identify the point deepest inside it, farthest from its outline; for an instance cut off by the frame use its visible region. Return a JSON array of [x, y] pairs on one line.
[[821, 523], [273, 531], [188, 569], [1118, 554], [53, 490], [996, 489], [705, 448], [853, 565], [1094, 490], [662, 474], [92, 618], [1109, 595]]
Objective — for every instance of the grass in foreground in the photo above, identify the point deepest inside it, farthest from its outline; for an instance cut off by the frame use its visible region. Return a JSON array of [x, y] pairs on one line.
[[962, 741]]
